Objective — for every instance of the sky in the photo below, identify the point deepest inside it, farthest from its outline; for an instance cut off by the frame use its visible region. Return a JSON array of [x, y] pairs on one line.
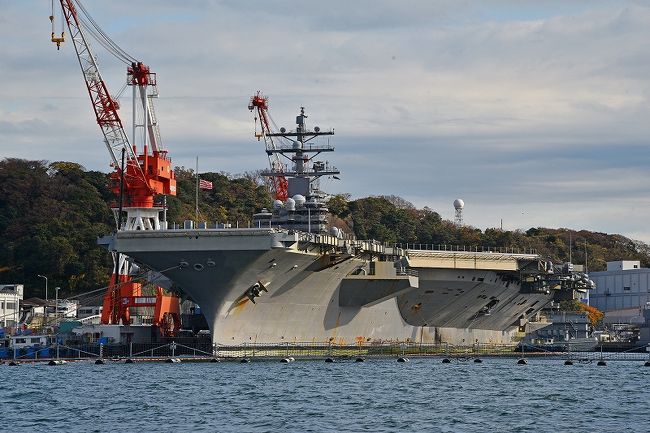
[[534, 113]]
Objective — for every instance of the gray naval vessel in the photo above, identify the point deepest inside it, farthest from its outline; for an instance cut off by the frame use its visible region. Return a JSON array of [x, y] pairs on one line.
[[291, 277]]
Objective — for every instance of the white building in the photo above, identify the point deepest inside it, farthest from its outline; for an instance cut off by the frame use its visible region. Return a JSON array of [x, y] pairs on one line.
[[623, 265], [10, 297], [88, 311], [622, 291]]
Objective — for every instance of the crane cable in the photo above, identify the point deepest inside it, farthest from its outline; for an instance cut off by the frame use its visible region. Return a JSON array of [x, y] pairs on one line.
[[101, 37], [285, 140], [52, 20]]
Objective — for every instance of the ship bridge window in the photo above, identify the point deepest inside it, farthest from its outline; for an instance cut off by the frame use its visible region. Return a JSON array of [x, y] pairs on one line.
[[480, 279], [626, 288]]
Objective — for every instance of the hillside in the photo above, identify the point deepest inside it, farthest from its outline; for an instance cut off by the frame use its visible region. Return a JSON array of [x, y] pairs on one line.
[[52, 213], [392, 219]]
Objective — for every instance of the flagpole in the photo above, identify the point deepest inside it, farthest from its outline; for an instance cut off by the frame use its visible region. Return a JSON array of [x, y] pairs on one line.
[[197, 190]]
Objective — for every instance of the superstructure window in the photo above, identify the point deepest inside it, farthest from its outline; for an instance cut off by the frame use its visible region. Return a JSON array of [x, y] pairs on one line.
[[626, 288]]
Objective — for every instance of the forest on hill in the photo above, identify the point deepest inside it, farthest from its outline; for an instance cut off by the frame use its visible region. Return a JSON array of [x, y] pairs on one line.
[[51, 215]]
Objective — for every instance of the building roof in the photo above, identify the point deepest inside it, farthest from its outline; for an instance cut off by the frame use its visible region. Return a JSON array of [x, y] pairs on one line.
[[35, 302]]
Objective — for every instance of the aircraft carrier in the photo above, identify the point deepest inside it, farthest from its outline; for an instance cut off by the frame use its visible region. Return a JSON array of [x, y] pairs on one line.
[[292, 277]]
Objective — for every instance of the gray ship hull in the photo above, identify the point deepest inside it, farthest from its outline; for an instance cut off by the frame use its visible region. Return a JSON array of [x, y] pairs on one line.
[[272, 286]]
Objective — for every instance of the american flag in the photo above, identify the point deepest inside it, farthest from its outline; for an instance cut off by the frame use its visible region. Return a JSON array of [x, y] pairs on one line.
[[205, 184]]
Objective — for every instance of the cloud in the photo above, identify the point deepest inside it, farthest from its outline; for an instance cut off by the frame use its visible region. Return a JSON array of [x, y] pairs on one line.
[[534, 113]]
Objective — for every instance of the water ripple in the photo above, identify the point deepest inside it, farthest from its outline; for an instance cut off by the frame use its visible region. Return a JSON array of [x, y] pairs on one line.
[[376, 396]]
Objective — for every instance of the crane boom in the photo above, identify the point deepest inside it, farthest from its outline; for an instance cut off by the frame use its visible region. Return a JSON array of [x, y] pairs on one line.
[[279, 183], [103, 104]]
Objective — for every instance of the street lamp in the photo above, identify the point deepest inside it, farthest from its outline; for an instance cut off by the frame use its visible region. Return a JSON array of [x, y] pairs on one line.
[[43, 276], [56, 317], [56, 302]]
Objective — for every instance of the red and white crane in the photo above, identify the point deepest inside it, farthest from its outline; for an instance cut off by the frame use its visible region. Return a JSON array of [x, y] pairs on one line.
[[137, 177], [278, 182]]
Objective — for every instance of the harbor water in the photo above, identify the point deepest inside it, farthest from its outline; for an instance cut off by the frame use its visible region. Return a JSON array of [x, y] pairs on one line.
[[379, 395]]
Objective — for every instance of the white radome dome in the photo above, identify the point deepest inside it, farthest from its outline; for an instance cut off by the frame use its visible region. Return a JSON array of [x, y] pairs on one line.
[[459, 203], [277, 204], [290, 204], [299, 199]]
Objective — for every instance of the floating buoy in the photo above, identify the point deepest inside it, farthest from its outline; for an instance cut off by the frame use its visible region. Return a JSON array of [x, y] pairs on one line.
[[129, 361], [522, 361], [172, 360], [285, 360], [402, 359], [100, 362], [478, 360], [359, 359], [329, 360], [602, 362], [245, 361], [446, 361], [214, 360], [57, 362], [568, 362], [647, 364]]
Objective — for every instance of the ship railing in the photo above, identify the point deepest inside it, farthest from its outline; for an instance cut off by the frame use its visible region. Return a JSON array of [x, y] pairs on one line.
[[216, 225], [343, 242], [465, 248], [408, 271], [305, 148]]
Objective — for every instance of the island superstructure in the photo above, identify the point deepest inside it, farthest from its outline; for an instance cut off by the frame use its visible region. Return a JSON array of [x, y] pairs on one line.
[[293, 277]]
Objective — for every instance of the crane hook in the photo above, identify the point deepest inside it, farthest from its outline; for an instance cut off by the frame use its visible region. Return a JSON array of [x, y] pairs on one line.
[[56, 39]]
